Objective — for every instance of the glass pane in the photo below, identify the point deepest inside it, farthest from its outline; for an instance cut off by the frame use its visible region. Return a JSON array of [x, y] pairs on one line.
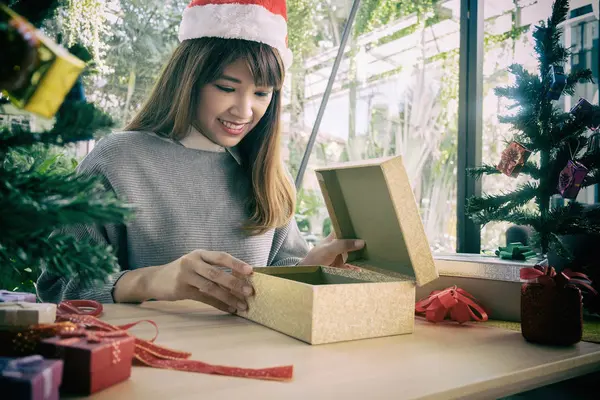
[[396, 93], [508, 39]]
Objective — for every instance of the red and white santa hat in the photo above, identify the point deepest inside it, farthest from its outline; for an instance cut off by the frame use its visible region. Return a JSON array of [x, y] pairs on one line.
[[263, 21]]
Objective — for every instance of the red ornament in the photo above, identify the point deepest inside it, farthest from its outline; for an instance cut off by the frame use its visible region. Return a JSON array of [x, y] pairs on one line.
[[551, 306], [571, 178], [513, 159]]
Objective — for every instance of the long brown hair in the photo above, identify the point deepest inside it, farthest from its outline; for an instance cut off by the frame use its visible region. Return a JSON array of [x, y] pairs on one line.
[[172, 105]]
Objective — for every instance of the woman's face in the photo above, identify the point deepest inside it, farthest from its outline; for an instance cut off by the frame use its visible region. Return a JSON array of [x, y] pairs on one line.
[[232, 105]]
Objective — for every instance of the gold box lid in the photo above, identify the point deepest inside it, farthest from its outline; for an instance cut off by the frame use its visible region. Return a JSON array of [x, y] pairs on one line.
[[373, 200]]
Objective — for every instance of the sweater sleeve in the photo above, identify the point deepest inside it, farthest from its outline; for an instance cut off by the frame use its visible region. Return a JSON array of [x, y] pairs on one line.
[[289, 247], [53, 288]]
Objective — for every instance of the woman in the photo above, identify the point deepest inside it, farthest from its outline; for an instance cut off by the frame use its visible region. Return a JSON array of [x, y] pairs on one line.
[[201, 164]]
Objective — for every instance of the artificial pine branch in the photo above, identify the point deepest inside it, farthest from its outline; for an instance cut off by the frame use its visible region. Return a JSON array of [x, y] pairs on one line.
[[75, 122], [35, 11], [576, 77], [61, 255], [41, 203], [485, 169]]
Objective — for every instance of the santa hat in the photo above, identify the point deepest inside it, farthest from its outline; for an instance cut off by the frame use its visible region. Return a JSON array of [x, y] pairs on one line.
[[263, 21]]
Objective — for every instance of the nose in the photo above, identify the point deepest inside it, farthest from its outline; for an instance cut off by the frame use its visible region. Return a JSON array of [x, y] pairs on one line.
[[242, 108]]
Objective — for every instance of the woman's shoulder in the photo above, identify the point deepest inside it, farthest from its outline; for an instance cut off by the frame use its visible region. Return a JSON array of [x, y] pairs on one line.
[[117, 148]]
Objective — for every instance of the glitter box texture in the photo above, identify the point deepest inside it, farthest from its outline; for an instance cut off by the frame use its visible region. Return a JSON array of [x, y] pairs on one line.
[[370, 200]]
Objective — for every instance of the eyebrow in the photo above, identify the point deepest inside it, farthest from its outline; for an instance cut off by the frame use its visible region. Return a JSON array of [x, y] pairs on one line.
[[230, 78]]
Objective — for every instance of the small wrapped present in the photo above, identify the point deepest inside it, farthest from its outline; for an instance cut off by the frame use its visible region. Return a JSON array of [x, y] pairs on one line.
[[551, 305], [11, 297], [584, 111], [558, 81], [513, 159], [571, 178], [22, 314], [515, 251], [30, 378], [51, 71], [93, 360]]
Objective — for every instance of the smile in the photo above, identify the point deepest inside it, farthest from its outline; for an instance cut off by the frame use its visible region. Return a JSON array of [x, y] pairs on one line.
[[232, 128]]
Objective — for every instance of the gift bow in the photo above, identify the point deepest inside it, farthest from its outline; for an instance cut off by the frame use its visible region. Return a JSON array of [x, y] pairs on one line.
[[26, 365], [152, 355], [547, 275], [457, 302], [515, 251]]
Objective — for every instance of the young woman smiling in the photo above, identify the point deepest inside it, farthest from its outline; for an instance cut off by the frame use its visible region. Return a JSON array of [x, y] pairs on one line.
[[201, 164]]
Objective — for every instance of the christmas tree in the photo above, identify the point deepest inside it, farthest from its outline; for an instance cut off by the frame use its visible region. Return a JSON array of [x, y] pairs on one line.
[[37, 197], [565, 142]]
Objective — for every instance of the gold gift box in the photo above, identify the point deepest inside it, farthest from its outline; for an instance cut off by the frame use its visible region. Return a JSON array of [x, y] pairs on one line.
[[49, 83], [370, 200]]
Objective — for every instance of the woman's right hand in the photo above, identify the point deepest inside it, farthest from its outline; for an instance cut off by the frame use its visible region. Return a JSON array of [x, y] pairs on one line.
[[196, 276]]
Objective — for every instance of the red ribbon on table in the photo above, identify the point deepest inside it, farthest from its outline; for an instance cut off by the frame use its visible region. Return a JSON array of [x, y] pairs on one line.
[[153, 355], [547, 275], [81, 307], [459, 304]]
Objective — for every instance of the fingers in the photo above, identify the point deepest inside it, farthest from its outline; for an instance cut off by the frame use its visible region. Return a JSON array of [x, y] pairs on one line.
[[212, 290], [330, 238], [223, 259], [341, 246], [193, 293], [207, 267]]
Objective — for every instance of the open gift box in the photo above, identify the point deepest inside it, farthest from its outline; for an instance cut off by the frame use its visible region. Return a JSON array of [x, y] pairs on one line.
[[370, 200]]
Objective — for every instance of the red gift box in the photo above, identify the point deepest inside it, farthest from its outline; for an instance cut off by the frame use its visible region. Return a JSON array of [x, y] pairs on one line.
[[551, 305], [93, 361], [513, 159]]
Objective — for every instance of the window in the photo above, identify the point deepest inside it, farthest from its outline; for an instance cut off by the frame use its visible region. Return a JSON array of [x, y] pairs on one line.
[[395, 94]]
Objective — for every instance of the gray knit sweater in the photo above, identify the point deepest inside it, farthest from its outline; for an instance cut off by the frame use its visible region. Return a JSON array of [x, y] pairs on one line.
[[185, 199]]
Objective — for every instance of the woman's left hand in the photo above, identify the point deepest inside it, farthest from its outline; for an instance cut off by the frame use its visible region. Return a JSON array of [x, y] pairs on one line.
[[332, 252]]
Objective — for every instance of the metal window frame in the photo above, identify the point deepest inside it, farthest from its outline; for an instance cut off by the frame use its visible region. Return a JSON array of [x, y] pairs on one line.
[[470, 134]]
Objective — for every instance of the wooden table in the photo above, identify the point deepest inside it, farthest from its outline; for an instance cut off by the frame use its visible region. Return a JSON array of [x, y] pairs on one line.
[[435, 362]]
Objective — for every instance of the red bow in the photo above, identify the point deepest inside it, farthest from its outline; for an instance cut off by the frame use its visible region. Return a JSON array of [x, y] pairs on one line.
[[457, 302], [547, 276], [153, 355]]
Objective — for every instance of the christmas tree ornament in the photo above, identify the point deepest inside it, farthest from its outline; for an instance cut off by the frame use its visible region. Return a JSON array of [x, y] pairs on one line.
[[593, 144], [558, 81], [513, 159], [571, 178], [20, 46], [584, 111], [44, 78]]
